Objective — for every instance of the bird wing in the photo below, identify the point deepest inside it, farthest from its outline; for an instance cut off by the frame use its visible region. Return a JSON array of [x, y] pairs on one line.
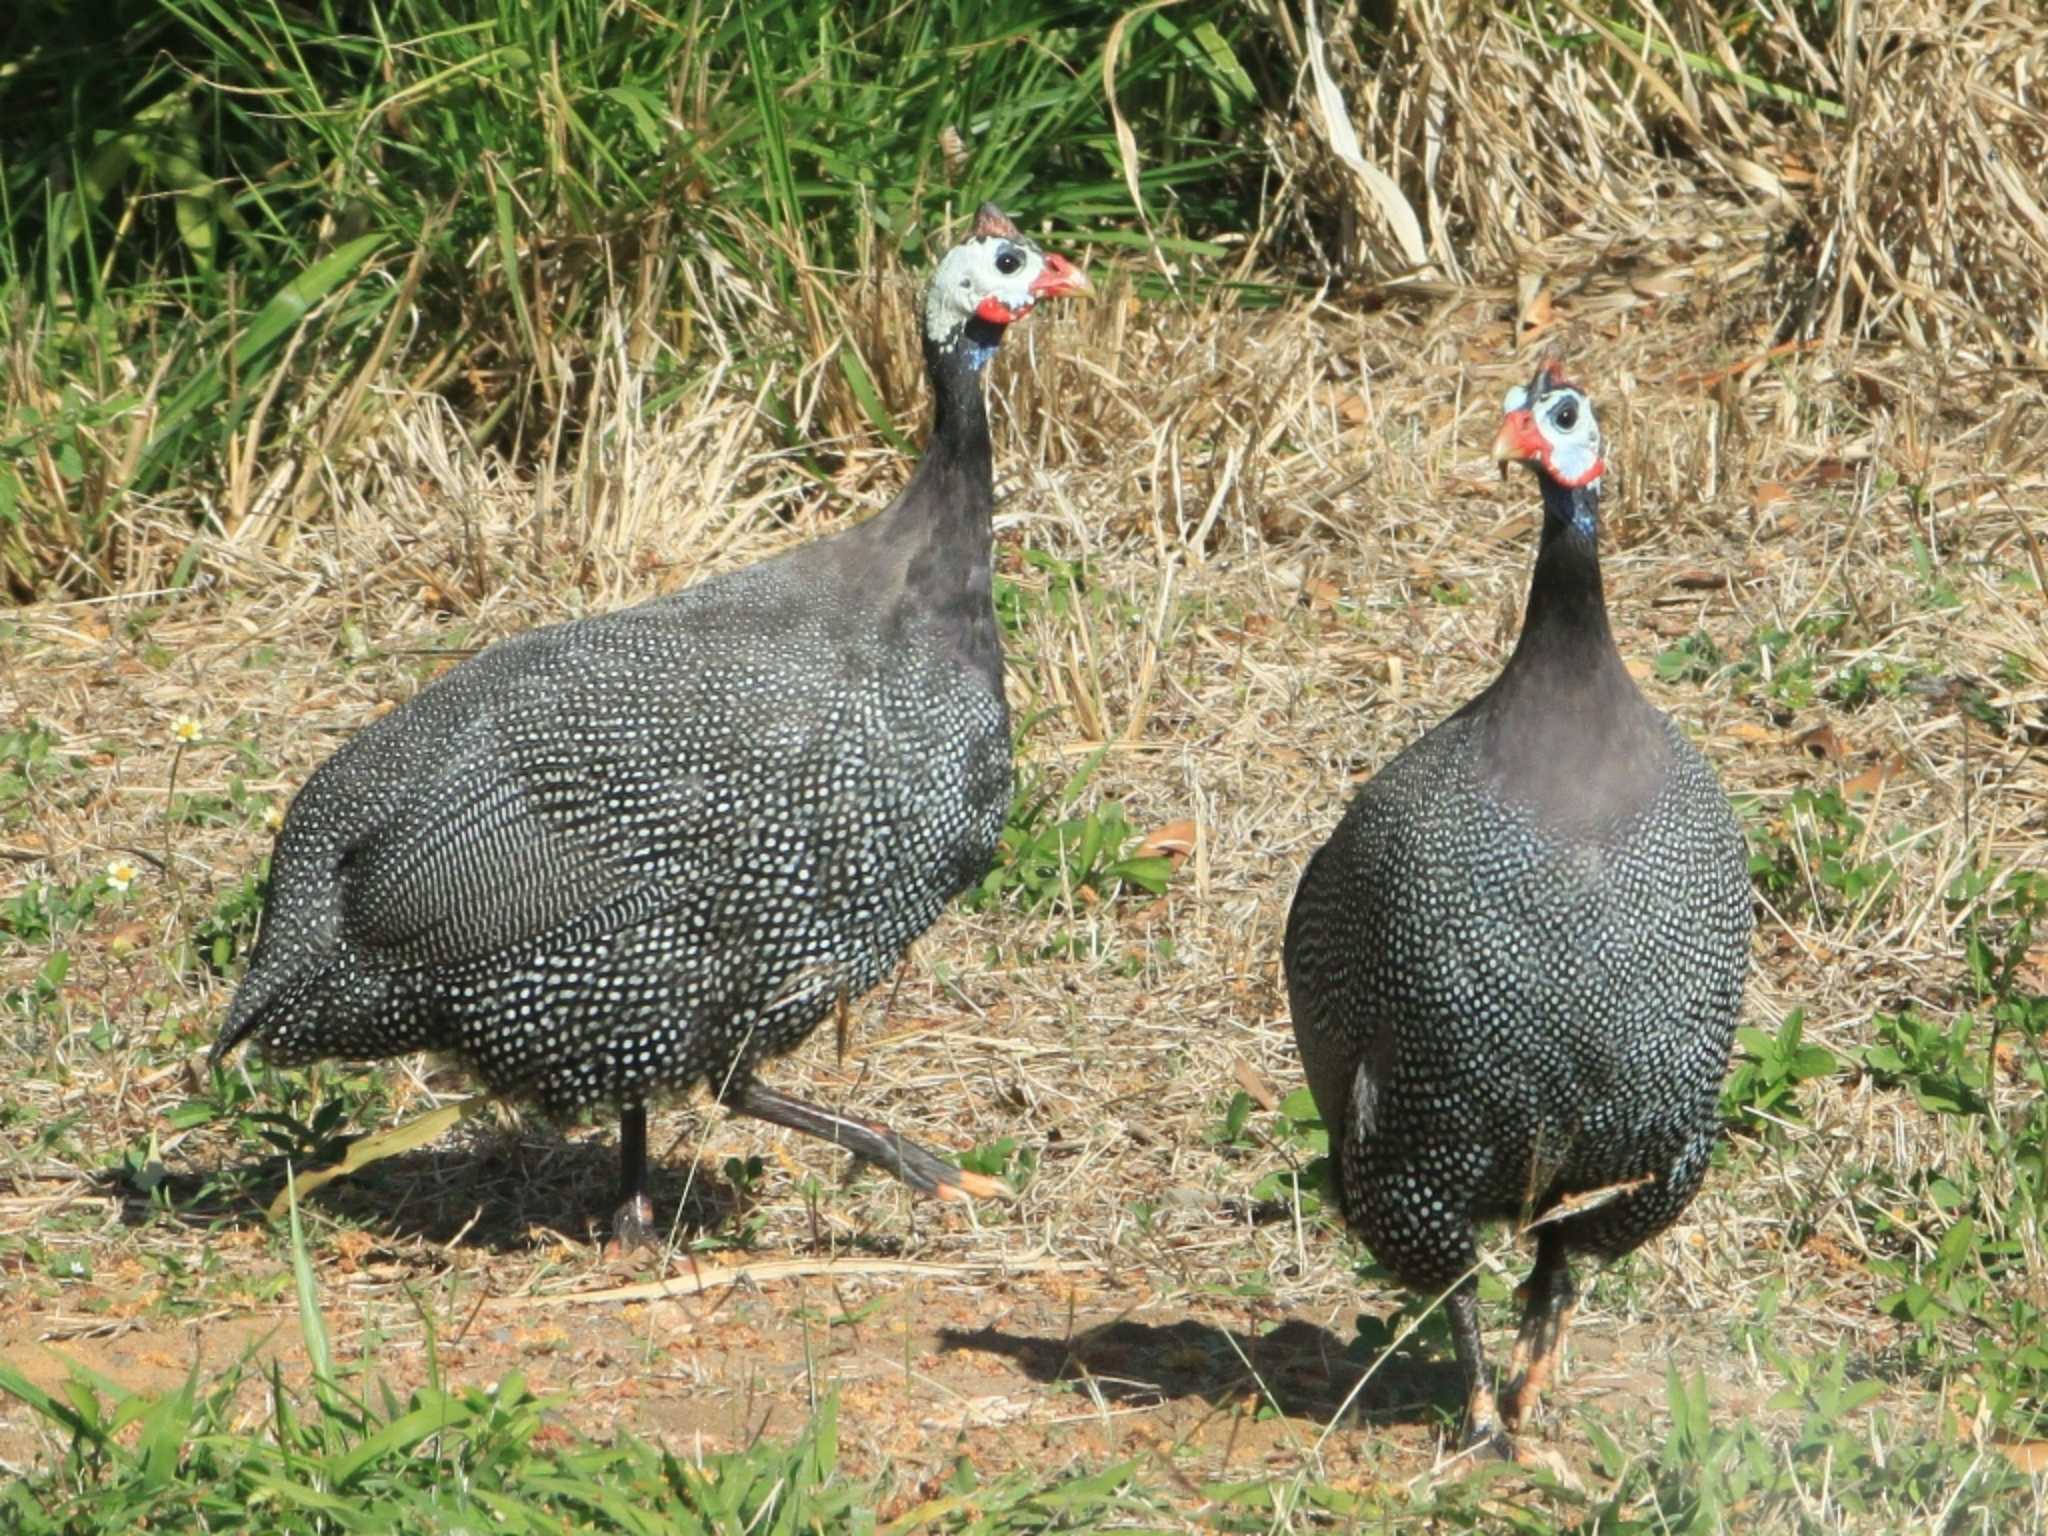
[[562, 801]]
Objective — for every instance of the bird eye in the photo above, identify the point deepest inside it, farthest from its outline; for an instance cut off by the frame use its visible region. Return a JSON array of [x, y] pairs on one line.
[[1008, 260], [1566, 416]]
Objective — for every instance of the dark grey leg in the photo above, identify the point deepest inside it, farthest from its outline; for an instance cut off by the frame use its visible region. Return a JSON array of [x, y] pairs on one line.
[[923, 1171], [633, 1223], [1482, 1423]]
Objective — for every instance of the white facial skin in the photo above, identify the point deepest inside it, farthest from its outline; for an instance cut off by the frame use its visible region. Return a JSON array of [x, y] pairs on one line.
[[989, 274], [1565, 421]]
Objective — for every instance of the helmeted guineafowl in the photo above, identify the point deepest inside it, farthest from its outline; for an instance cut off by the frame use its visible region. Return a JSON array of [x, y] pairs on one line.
[[649, 849], [1515, 967]]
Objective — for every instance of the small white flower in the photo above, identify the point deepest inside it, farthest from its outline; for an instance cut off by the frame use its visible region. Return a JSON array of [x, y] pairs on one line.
[[121, 874], [185, 730]]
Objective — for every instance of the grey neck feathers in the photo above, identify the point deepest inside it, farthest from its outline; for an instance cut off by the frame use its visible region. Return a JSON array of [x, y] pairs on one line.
[[935, 543], [1563, 727]]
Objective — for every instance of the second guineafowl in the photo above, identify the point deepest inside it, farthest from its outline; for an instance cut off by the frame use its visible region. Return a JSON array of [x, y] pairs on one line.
[[1515, 968], [650, 849]]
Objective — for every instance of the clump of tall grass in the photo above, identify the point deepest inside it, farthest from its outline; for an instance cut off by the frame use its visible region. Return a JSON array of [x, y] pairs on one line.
[[230, 235], [225, 231], [1860, 172]]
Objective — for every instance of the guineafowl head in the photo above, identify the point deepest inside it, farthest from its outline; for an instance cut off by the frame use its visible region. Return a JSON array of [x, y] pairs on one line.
[[996, 275], [1550, 426]]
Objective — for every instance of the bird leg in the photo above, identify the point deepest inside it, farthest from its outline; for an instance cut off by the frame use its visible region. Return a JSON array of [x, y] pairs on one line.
[[633, 1222], [1548, 1300], [923, 1171], [1482, 1423]]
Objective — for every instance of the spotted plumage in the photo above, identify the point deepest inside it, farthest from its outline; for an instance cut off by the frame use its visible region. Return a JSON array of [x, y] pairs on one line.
[[647, 850], [1515, 967]]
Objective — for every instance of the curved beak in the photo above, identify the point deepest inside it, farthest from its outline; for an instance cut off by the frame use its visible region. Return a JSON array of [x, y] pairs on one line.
[[1060, 279], [1518, 441]]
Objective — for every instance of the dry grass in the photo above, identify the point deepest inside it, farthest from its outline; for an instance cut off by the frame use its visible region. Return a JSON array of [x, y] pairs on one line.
[[1872, 173], [1881, 180], [1297, 559]]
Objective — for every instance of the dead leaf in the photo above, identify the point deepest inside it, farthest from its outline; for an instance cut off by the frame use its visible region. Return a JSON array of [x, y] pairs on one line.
[[1875, 777], [129, 937], [1822, 741], [1830, 1252], [1320, 593], [1538, 313], [1279, 524], [1143, 920], [1829, 471], [1262, 1093], [1749, 731], [1769, 494], [1700, 580], [2030, 1456], [1175, 840]]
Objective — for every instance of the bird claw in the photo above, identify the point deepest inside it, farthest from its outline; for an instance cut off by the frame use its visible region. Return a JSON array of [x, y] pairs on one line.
[[929, 1174], [1487, 1442], [969, 1187], [1482, 1434], [632, 1228], [1524, 1395]]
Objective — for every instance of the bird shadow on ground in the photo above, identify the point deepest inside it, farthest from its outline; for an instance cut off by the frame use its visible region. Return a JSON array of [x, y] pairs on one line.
[[499, 1189], [1302, 1370]]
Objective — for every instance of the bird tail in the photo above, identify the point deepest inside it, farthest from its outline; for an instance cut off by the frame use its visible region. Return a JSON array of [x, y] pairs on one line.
[[255, 1003]]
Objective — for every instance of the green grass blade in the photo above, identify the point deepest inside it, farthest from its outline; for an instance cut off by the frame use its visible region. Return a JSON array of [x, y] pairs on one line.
[[869, 398], [165, 1426], [297, 298], [438, 1416], [365, 1150], [292, 1493], [80, 1425], [508, 257], [284, 309], [785, 202], [312, 1327]]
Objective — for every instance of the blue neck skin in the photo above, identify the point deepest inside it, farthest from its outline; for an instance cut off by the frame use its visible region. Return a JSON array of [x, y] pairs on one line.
[[1567, 603]]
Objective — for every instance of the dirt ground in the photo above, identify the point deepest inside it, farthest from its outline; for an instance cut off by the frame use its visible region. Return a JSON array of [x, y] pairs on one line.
[[1295, 557]]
